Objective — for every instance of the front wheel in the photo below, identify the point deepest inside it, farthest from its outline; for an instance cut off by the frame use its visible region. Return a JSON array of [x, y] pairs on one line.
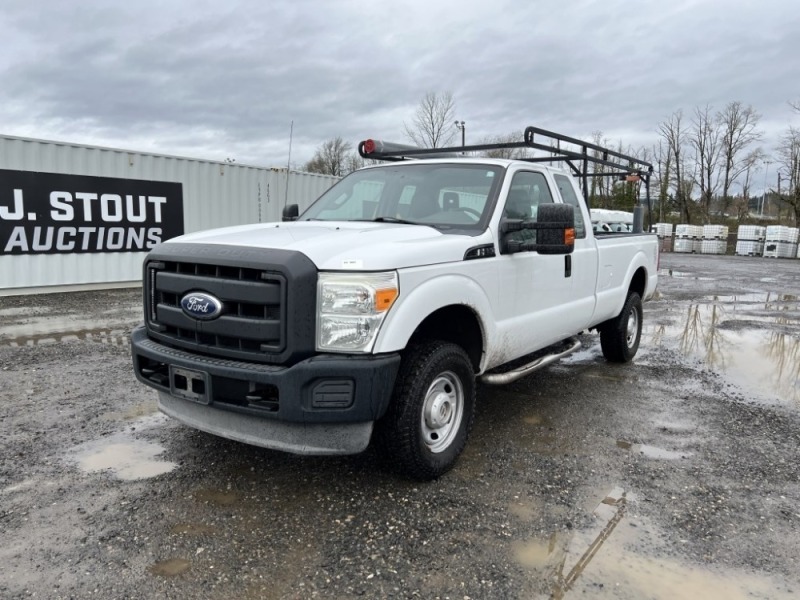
[[431, 412], [619, 337]]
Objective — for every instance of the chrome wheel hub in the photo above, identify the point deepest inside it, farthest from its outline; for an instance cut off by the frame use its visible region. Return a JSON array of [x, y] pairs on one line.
[[442, 411], [632, 328]]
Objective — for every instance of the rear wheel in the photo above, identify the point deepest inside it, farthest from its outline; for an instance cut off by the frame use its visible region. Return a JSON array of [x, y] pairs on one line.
[[431, 413], [619, 337]]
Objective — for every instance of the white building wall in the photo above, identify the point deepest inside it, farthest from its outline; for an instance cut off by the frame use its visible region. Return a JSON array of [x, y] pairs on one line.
[[215, 194]]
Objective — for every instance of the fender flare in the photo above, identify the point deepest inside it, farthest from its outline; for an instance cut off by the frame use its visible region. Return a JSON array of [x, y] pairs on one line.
[[436, 293], [639, 261]]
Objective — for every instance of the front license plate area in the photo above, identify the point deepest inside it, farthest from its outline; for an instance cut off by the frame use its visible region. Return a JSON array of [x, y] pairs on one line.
[[190, 385]]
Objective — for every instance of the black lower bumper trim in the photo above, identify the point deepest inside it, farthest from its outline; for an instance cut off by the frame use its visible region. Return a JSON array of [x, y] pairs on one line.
[[326, 388]]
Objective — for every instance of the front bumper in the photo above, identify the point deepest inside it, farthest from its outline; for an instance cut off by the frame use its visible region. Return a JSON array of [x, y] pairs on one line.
[[323, 390]]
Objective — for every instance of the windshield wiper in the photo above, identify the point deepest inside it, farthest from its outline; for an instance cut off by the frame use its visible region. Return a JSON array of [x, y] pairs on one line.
[[404, 222], [394, 220]]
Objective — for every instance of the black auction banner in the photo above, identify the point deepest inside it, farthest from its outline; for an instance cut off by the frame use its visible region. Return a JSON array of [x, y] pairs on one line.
[[55, 213]]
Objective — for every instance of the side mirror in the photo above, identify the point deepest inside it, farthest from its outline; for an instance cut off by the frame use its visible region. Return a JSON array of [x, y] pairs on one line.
[[555, 227], [291, 212]]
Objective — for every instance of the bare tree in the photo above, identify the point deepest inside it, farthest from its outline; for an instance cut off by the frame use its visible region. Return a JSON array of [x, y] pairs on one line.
[[646, 154], [674, 134], [739, 127], [599, 187], [332, 157], [704, 137], [789, 158], [751, 162], [509, 153], [662, 173], [432, 126]]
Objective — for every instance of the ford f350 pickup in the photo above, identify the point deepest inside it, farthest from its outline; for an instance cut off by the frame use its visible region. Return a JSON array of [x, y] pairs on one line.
[[371, 315]]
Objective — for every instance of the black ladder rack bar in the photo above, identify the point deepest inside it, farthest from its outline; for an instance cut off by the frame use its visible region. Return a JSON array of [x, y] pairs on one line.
[[608, 157], [621, 165]]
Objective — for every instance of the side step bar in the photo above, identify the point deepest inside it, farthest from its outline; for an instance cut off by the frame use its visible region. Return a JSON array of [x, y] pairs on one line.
[[518, 373]]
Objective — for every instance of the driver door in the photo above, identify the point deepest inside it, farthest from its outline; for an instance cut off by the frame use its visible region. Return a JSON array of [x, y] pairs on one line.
[[536, 290]]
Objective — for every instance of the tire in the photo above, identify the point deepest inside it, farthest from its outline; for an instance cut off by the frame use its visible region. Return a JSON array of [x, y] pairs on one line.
[[431, 411], [619, 337]]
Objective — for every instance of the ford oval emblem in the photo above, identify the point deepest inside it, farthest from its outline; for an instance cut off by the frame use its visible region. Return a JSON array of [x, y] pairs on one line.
[[201, 306]]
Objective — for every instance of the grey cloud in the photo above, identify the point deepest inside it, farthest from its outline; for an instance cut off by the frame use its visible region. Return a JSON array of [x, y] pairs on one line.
[[226, 80]]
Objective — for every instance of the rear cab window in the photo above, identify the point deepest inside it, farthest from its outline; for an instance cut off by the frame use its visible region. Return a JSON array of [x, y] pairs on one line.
[[568, 195]]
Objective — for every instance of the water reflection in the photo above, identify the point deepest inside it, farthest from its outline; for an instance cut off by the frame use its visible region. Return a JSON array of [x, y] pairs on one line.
[[755, 338]]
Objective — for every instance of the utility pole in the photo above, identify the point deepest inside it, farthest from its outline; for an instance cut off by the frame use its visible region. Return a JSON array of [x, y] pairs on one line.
[[764, 196]]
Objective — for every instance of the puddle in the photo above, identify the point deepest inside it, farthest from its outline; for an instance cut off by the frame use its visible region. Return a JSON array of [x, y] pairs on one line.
[[170, 567], [115, 337], [122, 454], [536, 554], [685, 275], [652, 451], [36, 327], [659, 453], [23, 311], [533, 420], [672, 425], [26, 484], [563, 557], [628, 557], [631, 576], [623, 569], [136, 412], [193, 529], [128, 461], [217, 497], [753, 338]]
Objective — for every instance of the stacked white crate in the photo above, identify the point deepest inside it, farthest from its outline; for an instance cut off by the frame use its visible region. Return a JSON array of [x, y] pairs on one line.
[[697, 238], [688, 238], [714, 247], [664, 233], [715, 239], [781, 242], [750, 240]]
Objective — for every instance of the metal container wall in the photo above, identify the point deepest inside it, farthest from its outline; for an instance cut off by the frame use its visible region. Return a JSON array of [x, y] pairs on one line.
[[215, 194]]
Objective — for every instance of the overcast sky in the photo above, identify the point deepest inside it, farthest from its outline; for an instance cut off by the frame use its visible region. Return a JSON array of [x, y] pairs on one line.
[[218, 80]]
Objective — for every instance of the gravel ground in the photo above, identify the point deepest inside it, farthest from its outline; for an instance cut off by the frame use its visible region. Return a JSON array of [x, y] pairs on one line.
[[674, 476]]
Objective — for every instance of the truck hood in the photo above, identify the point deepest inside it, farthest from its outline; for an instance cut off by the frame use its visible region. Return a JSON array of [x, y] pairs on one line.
[[347, 245]]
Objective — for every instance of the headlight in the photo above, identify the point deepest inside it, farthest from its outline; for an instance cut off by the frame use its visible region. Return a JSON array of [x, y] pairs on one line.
[[351, 308]]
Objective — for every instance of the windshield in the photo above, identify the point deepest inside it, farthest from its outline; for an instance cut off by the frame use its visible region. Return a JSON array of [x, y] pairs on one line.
[[440, 195]]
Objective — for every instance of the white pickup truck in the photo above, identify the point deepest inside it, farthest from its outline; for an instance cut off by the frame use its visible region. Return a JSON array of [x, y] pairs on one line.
[[371, 314]]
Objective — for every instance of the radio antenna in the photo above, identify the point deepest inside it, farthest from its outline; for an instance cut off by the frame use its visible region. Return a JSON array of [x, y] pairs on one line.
[[288, 165]]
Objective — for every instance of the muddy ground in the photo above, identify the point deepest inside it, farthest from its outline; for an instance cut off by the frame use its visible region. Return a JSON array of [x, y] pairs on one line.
[[676, 476]]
